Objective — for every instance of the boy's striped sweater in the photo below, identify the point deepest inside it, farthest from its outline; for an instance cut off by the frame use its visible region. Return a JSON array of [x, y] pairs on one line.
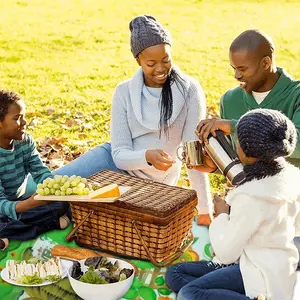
[[15, 165]]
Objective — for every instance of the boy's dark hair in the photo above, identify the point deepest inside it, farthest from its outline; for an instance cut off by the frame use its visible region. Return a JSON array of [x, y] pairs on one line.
[[7, 98]]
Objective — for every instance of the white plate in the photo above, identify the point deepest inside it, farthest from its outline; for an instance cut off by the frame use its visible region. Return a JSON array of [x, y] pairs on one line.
[[65, 264], [123, 189]]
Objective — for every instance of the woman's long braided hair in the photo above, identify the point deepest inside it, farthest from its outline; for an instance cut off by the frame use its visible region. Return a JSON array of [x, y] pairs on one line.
[[166, 100]]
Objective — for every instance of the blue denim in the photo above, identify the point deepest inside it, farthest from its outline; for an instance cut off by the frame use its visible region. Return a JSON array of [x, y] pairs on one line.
[[32, 223], [206, 280], [91, 162]]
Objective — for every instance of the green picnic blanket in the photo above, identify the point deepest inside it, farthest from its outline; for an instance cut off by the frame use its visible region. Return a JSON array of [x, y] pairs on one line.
[[149, 284]]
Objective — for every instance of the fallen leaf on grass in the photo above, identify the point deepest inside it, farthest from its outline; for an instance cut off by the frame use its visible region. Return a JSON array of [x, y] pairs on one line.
[[213, 111], [86, 126], [78, 115], [57, 147], [33, 123], [55, 153], [83, 136], [79, 143], [78, 122], [33, 114], [50, 111], [56, 163], [69, 123], [53, 140]]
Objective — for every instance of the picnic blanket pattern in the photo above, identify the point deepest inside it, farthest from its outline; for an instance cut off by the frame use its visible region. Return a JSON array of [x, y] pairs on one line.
[[149, 284]]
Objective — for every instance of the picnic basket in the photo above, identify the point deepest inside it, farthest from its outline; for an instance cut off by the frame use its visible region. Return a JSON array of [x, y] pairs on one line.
[[150, 221]]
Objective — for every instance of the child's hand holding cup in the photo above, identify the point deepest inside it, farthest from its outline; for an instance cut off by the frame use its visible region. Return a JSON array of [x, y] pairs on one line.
[[220, 206]]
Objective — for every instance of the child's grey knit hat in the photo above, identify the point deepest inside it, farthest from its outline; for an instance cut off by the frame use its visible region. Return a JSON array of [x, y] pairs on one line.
[[266, 134], [146, 32]]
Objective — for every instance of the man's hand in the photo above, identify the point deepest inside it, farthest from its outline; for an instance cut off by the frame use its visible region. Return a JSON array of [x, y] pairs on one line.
[[205, 127], [159, 159], [220, 206]]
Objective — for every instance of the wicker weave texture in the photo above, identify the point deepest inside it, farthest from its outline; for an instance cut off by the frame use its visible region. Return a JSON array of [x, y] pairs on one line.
[[147, 196], [112, 230], [110, 227]]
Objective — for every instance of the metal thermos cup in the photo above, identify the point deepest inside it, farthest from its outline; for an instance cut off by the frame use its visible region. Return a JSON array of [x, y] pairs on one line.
[[193, 153]]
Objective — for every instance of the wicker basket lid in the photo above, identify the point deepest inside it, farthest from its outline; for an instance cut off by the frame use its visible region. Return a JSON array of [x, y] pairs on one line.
[[147, 196]]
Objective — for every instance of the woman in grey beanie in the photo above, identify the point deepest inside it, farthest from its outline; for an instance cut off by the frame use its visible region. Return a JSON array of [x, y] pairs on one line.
[[152, 114], [253, 240]]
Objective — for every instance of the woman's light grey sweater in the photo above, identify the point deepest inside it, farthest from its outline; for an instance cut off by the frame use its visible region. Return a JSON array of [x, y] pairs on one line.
[[135, 129]]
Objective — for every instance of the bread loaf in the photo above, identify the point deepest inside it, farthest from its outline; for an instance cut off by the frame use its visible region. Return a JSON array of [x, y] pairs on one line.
[[74, 253]]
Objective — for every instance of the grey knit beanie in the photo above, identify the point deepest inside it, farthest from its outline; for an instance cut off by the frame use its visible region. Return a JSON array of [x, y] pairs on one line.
[[146, 32], [266, 134]]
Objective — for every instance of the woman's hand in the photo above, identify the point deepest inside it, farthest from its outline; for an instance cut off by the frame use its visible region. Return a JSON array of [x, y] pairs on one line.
[[159, 159], [205, 127], [220, 206]]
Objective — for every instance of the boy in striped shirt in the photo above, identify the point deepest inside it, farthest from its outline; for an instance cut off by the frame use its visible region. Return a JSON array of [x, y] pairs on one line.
[[21, 217]]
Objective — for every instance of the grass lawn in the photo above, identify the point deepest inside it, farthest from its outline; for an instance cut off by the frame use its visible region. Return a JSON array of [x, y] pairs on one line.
[[66, 56]]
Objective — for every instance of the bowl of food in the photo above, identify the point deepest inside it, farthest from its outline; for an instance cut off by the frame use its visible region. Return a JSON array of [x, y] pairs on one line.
[[111, 278]]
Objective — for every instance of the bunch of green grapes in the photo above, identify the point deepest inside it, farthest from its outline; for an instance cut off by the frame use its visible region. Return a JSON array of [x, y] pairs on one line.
[[64, 186]]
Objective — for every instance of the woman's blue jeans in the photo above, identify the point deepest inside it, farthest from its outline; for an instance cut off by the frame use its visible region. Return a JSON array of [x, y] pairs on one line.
[[206, 280], [91, 162]]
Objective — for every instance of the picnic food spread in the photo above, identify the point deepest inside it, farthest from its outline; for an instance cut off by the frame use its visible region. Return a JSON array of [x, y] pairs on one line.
[[111, 190], [34, 271], [64, 186], [100, 271]]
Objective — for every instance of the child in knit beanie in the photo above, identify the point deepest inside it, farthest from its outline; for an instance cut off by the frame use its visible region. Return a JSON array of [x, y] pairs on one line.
[[265, 137], [252, 234]]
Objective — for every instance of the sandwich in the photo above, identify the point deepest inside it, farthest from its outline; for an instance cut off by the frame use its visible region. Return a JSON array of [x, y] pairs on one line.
[[33, 272]]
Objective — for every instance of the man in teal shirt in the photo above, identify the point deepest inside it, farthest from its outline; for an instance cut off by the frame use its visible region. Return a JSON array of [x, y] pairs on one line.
[[262, 85]]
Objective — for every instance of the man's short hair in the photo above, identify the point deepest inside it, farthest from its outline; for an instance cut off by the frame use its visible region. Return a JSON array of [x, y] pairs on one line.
[[254, 40]]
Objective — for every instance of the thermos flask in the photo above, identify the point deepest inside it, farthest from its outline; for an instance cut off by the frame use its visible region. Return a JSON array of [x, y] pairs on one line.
[[226, 159]]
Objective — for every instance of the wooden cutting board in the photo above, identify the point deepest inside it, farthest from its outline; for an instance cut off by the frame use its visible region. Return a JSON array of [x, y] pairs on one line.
[[86, 198]]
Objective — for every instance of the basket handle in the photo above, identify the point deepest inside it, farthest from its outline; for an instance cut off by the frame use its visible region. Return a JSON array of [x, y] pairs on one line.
[[71, 235], [169, 258]]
